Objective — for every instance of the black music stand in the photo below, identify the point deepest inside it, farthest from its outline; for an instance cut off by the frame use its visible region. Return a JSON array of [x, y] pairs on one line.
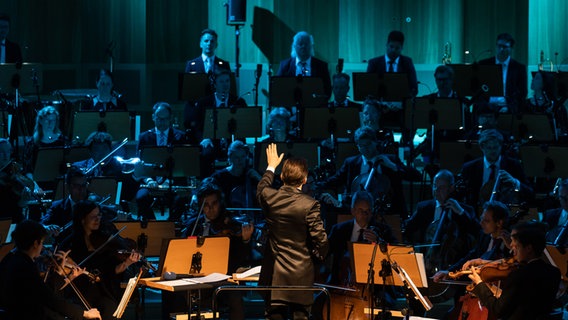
[[444, 114], [307, 150], [320, 123], [388, 87], [527, 127], [233, 122], [9, 70], [544, 161], [454, 154], [86, 122], [49, 164], [472, 80], [148, 236], [164, 158], [194, 86], [297, 91]]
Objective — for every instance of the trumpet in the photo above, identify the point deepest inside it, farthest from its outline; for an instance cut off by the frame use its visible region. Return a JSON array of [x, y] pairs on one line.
[[447, 57], [544, 62]]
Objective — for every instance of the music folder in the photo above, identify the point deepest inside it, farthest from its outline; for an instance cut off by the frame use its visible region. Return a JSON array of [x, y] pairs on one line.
[[297, 91], [389, 86], [475, 80]]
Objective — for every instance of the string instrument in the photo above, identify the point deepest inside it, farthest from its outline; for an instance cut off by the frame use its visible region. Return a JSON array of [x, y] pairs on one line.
[[378, 184]]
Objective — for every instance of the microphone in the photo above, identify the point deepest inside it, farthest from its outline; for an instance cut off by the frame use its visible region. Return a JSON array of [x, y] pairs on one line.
[[339, 67]]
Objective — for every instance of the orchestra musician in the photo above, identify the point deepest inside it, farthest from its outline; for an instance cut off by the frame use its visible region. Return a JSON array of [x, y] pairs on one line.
[[529, 289], [10, 52], [23, 293], [107, 99], [494, 174], [208, 61], [89, 248], [340, 88], [303, 63], [278, 125], [162, 135], [387, 178], [557, 219], [514, 76], [452, 224], [238, 181], [296, 236]]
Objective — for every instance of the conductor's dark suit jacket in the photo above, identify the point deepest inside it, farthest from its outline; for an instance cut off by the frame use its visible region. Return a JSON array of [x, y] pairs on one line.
[[295, 235], [351, 168], [319, 69], [516, 86], [196, 65], [405, 65]]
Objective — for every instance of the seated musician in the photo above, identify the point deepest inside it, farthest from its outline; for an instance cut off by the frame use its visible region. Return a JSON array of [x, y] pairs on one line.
[[238, 181], [544, 101], [494, 175], [557, 219], [529, 290], [107, 99], [443, 220], [90, 234], [371, 117], [23, 293], [386, 181], [213, 220], [340, 88], [15, 187], [163, 134], [278, 126]]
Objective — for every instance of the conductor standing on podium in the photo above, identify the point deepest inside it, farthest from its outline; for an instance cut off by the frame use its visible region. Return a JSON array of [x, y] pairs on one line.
[[296, 235]]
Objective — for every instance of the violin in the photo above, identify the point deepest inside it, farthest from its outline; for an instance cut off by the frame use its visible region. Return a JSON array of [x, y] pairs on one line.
[[492, 271]]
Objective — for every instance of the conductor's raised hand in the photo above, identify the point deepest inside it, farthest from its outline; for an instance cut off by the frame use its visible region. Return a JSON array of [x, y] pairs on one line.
[[272, 156]]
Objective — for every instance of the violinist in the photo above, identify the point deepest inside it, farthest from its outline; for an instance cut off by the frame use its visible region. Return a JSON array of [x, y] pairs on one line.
[[90, 234], [238, 181], [23, 294], [529, 289], [443, 211], [14, 186], [557, 219], [387, 177]]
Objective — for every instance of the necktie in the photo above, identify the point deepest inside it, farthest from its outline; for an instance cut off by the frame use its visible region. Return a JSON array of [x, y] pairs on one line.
[[207, 64], [370, 165], [391, 66], [303, 68], [163, 139], [492, 173], [360, 238]]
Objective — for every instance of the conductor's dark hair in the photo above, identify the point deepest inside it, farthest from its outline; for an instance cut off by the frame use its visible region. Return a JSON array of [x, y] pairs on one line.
[[27, 232], [396, 36], [294, 171]]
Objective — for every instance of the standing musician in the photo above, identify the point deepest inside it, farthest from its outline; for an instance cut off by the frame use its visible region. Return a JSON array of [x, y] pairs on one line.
[[106, 99], [388, 173], [494, 175], [296, 236], [207, 62], [89, 248], [444, 221], [529, 290], [10, 52], [23, 294]]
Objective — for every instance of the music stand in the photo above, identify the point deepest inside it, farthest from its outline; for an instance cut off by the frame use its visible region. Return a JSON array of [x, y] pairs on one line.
[[472, 79], [454, 154], [178, 254], [49, 164], [86, 122], [388, 87], [321, 123], [8, 71], [344, 151], [5, 224], [297, 91], [445, 114], [534, 127], [165, 157], [194, 86], [307, 150], [544, 161], [558, 257], [233, 122], [149, 236]]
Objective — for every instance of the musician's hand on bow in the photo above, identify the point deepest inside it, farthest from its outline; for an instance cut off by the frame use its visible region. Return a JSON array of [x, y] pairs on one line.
[[272, 156], [474, 276], [329, 199], [440, 275], [53, 230], [92, 314], [207, 143], [151, 183], [506, 178], [454, 206], [384, 160], [474, 263]]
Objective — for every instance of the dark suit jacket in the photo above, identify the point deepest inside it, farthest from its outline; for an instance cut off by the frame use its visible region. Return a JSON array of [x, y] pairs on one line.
[[481, 251], [196, 65], [516, 86], [295, 233], [528, 292], [13, 52], [417, 224], [60, 213], [339, 239], [351, 168], [149, 139], [405, 65], [194, 114], [319, 69], [551, 218], [350, 104], [472, 173]]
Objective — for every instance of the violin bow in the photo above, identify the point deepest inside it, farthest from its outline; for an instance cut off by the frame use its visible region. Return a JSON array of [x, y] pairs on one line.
[[101, 246], [197, 219], [107, 156]]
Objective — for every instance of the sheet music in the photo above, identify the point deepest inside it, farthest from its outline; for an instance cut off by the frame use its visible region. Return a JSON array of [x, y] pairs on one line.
[[213, 277], [422, 269], [249, 273], [132, 284]]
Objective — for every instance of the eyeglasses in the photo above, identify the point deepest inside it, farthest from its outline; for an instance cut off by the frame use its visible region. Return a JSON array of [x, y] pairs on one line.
[[503, 47]]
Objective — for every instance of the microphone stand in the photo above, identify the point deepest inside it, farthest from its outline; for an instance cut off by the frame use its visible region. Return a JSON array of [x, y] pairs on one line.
[[386, 271]]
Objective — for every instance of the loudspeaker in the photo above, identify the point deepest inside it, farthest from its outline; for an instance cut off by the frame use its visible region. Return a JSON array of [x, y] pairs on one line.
[[237, 12]]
